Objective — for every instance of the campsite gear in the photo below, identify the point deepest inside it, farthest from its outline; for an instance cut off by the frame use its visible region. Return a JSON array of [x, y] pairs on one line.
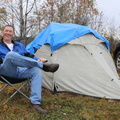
[[8, 81], [50, 67], [86, 66]]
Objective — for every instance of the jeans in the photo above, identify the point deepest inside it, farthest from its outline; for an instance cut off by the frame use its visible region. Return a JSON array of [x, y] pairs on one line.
[[17, 66]]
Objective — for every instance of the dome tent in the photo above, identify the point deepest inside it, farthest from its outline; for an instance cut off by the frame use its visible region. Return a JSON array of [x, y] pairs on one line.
[[86, 66]]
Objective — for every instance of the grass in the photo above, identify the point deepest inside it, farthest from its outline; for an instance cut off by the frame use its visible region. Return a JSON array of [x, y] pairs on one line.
[[61, 106]]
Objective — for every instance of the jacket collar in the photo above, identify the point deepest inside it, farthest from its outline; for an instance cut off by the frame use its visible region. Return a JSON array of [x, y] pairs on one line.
[[14, 43]]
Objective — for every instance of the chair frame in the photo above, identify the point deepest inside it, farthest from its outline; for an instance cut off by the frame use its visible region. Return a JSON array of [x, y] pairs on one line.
[[17, 90]]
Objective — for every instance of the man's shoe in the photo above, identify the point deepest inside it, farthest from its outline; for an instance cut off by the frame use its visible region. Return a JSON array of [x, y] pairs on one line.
[[50, 67], [39, 109]]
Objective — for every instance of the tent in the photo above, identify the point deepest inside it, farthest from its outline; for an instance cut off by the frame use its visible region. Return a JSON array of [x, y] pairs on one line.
[[86, 66]]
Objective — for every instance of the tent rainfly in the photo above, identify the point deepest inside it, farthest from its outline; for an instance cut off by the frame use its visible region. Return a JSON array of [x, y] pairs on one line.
[[86, 66]]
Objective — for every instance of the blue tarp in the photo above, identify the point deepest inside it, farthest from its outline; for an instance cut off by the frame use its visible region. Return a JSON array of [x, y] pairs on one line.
[[58, 34]]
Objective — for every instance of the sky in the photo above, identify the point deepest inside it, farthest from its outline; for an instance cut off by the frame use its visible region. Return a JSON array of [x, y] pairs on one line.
[[111, 9]]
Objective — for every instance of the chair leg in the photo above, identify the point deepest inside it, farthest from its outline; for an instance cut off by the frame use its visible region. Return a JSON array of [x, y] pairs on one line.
[[3, 87], [17, 90]]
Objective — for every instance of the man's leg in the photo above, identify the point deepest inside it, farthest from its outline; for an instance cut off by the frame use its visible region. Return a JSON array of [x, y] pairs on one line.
[[36, 86], [36, 82], [14, 60]]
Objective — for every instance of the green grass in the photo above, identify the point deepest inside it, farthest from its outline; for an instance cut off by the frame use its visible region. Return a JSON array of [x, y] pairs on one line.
[[61, 106]]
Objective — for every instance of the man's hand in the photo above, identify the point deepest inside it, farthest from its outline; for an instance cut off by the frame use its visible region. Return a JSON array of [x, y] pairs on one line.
[[42, 60]]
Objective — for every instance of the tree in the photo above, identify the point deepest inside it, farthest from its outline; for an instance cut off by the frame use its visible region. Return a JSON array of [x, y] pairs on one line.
[[3, 14], [82, 12], [31, 16], [19, 14]]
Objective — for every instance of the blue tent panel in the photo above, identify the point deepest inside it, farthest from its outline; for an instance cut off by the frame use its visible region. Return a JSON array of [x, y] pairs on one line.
[[58, 34]]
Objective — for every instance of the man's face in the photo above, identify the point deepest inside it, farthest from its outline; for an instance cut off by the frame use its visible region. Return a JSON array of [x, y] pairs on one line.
[[8, 33]]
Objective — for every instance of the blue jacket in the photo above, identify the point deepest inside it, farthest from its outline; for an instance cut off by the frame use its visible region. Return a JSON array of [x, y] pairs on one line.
[[18, 47]]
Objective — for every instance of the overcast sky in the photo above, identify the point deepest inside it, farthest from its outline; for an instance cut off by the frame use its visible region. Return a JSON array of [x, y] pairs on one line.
[[111, 9]]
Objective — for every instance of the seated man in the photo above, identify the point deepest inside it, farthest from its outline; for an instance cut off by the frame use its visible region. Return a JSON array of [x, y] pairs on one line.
[[15, 63]]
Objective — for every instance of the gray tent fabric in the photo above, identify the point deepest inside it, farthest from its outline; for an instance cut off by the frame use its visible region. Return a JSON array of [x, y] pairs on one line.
[[86, 67]]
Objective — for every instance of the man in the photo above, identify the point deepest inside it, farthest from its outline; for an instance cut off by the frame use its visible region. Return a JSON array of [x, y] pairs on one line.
[[16, 63]]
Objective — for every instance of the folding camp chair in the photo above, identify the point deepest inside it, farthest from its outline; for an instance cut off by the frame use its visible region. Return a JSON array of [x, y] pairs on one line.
[[10, 82]]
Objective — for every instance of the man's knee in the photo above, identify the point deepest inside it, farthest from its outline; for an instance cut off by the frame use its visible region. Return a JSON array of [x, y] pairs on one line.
[[11, 54], [36, 70]]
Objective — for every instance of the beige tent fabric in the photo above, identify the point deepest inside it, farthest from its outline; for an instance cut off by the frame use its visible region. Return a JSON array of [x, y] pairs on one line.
[[86, 67]]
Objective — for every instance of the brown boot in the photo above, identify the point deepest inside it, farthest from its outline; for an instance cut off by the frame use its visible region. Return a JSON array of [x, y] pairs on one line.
[[39, 109], [50, 67]]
